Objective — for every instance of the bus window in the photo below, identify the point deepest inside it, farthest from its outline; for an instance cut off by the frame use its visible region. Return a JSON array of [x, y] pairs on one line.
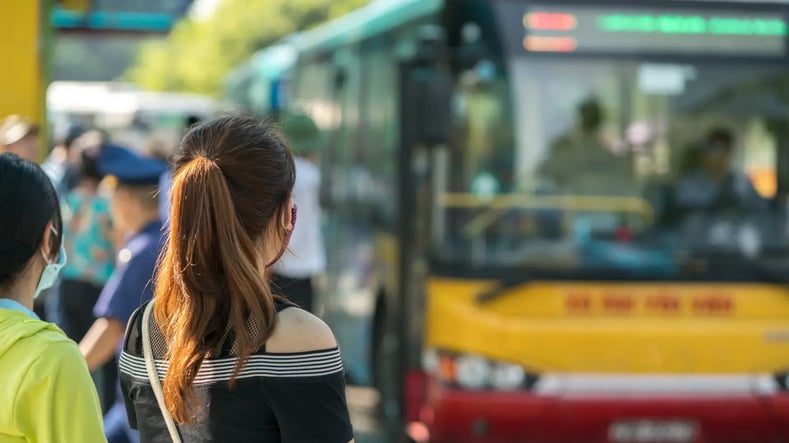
[[481, 107], [615, 167]]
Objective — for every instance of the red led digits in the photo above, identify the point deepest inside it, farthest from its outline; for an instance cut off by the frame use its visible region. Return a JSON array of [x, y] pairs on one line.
[[550, 21], [550, 44]]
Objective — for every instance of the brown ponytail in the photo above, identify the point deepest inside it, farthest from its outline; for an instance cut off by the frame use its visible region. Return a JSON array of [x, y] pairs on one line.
[[233, 177]]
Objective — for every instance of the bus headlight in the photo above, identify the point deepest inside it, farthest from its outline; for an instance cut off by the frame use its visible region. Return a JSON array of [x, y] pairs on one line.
[[474, 372], [505, 376]]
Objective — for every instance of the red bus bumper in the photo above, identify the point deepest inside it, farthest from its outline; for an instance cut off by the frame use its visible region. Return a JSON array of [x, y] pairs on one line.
[[455, 416]]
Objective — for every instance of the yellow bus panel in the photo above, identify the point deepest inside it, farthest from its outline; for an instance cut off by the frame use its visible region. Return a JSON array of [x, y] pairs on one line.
[[614, 327]]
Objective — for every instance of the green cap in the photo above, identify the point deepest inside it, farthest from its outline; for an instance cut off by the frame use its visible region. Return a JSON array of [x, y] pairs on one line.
[[302, 132]]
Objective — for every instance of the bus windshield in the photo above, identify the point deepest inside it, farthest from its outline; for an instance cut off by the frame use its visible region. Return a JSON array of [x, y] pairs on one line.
[[662, 170]]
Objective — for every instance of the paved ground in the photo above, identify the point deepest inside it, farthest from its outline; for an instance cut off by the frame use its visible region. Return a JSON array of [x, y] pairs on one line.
[[362, 403]]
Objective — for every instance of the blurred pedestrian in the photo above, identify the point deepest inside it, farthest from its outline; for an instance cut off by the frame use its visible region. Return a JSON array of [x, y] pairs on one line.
[[88, 240], [64, 175], [293, 275], [46, 394], [239, 363], [19, 136], [135, 211], [60, 164]]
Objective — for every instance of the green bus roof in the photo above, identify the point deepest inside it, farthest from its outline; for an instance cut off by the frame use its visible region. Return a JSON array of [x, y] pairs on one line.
[[377, 17], [268, 63], [271, 62]]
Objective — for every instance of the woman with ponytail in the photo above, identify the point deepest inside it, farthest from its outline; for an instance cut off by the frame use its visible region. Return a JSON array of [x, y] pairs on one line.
[[229, 360]]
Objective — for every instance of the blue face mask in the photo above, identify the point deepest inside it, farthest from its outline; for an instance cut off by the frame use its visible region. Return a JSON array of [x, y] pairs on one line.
[[51, 271]]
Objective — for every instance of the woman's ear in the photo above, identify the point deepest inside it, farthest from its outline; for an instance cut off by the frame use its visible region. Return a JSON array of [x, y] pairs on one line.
[[287, 215], [46, 240]]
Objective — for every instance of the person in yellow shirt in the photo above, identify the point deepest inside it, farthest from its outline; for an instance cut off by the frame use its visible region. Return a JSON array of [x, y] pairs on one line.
[[46, 393]]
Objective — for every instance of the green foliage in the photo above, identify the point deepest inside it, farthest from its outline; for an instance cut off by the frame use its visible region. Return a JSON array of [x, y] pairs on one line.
[[197, 55]]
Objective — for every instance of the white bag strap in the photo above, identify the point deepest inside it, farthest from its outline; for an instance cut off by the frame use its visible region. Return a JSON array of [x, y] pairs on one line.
[[153, 376]]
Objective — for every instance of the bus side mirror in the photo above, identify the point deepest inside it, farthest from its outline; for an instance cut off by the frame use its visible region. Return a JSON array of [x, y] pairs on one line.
[[429, 89], [430, 108]]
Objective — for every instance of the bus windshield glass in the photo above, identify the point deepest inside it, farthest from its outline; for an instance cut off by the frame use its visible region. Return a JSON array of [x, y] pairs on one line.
[[662, 170]]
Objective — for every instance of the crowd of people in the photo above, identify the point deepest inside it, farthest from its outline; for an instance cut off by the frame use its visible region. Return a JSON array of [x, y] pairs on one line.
[[102, 230]]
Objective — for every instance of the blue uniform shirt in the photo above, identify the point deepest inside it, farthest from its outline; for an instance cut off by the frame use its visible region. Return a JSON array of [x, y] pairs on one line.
[[127, 289], [131, 283]]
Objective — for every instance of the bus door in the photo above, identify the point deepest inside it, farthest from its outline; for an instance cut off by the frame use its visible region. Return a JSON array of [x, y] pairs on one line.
[[426, 88], [349, 302]]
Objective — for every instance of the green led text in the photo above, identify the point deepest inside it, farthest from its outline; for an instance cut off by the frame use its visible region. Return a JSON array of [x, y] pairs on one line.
[[691, 24]]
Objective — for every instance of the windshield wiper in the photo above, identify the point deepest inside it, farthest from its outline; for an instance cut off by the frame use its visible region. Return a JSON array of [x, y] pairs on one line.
[[597, 274], [500, 290]]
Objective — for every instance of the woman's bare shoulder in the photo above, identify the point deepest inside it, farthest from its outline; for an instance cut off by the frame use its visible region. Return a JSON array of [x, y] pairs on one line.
[[299, 331]]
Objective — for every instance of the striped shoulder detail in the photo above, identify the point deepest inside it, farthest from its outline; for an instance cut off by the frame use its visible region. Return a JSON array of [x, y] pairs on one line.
[[295, 365]]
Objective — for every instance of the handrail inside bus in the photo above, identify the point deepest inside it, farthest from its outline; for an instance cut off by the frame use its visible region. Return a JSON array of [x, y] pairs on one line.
[[495, 206]]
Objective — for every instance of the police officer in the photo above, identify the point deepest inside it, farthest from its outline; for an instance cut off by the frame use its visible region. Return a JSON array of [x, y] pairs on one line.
[[134, 209]]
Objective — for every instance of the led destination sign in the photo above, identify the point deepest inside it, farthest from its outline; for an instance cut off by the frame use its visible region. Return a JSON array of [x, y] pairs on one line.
[[643, 30], [691, 24]]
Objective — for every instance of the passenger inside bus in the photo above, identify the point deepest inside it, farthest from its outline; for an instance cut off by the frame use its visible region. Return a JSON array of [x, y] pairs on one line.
[[713, 185], [577, 158]]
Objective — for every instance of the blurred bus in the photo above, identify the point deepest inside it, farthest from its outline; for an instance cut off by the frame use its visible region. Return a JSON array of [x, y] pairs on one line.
[[559, 221], [130, 116], [260, 85]]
